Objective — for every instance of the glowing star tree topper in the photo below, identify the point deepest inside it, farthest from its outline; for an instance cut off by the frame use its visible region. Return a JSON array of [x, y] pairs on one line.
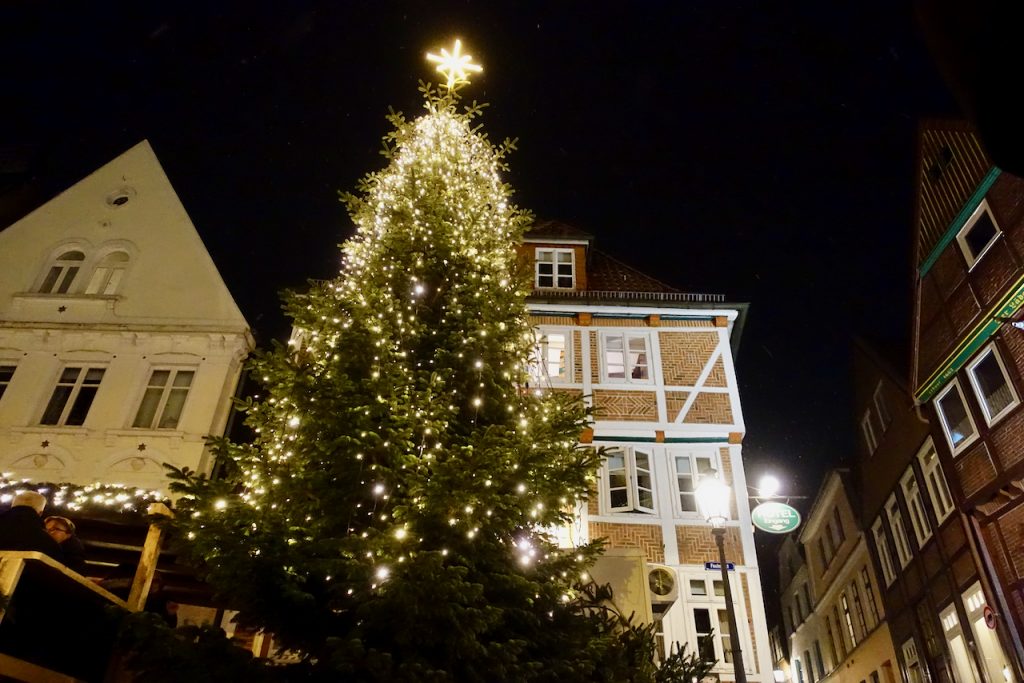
[[454, 65]]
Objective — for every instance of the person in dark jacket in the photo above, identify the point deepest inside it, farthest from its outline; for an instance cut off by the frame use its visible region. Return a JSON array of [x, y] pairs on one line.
[[62, 530], [22, 528]]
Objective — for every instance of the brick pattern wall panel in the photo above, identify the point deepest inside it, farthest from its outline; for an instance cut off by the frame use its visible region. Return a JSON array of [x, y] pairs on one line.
[[674, 401], [626, 406], [992, 274], [975, 469], [962, 309], [592, 503], [550, 320], [575, 393], [619, 322], [577, 357], [935, 339], [1007, 437], [595, 372], [950, 270], [931, 302], [683, 323], [697, 545], [707, 408], [716, 378], [646, 537], [684, 355], [1012, 526]]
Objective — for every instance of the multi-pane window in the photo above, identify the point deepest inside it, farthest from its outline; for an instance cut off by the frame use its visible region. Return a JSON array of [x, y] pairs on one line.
[[938, 490], [552, 355], [848, 619], [810, 667], [705, 634], [833, 648], [62, 273], [915, 505], [807, 598], [555, 269], [991, 385], [626, 357], [6, 374], [72, 397], [840, 640], [836, 528], [629, 485], [858, 609], [799, 671], [957, 423], [884, 416], [690, 468], [868, 428], [107, 275], [825, 551], [869, 596], [911, 662], [899, 531], [164, 399], [818, 658], [884, 558], [977, 235]]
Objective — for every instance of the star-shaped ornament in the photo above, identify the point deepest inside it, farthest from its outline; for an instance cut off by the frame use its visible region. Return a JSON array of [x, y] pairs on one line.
[[454, 65]]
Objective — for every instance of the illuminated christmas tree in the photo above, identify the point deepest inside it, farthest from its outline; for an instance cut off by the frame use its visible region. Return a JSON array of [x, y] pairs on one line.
[[389, 520]]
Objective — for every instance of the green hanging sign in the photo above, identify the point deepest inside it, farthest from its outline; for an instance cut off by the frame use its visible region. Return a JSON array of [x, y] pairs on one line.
[[775, 518]]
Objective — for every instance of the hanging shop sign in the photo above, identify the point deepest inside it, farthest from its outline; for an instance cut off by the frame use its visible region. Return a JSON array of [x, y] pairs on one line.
[[775, 518]]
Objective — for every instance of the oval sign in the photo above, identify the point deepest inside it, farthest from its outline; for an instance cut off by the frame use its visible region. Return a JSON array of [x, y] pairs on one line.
[[775, 518]]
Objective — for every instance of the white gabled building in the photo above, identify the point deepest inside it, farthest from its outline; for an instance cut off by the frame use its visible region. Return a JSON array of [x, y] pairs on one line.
[[656, 365], [120, 345]]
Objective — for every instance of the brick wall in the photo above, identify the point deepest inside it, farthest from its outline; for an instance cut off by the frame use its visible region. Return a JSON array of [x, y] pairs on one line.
[[577, 357], [595, 375], [975, 469], [550, 320], [697, 545], [710, 409], [627, 406], [717, 376], [674, 401], [684, 355], [646, 537], [619, 322], [1012, 527]]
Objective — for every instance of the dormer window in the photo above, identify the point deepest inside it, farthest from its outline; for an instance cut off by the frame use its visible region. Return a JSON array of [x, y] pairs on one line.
[[555, 269], [977, 235], [107, 275], [62, 273]]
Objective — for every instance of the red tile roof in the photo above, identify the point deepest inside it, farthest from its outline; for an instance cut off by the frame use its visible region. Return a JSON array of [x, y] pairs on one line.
[[608, 274]]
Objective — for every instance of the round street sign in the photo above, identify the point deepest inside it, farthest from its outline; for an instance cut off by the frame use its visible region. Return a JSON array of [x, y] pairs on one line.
[[990, 617], [775, 518]]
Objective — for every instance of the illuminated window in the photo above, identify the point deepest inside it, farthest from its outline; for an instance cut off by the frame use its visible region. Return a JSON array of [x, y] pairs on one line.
[[911, 662], [552, 355], [978, 234], [555, 269], [164, 399], [629, 486], [957, 423], [882, 547], [73, 396], [848, 619], [626, 357], [938, 490], [62, 273], [690, 468], [991, 385], [108, 273], [915, 505], [6, 374], [899, 531]]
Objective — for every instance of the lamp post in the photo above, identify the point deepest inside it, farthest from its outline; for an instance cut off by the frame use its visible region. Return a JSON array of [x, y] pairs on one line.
[[713, 499]]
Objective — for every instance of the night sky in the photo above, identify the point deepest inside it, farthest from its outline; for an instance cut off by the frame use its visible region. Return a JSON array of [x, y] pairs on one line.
[[760, 150]]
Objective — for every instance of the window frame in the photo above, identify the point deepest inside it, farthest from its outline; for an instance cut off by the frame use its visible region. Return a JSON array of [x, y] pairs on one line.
[[898, 529], [554, 251], [5, 382], [911, 660], [107, 274], [541, 374], [68, 271], [627, 366], [882, 549], [882, 408], [961, 235], [73, 396], [633, 505], [159, 412], [956, 449], [714, 602], [916, 507], [992, 351], [935, 479], [711, 456], [867, 429]]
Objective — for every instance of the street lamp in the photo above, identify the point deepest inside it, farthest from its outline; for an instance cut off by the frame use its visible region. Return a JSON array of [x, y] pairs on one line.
[[713, 500]]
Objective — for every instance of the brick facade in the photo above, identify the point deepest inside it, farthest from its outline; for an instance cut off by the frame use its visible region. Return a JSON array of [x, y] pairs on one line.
[[626, 406], [710, 408], [647, 537], [684, 355], [697, 545]]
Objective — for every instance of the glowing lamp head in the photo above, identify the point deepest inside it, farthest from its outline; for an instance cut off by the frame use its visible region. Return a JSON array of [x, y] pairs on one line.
[[768, 487], [713, 500]]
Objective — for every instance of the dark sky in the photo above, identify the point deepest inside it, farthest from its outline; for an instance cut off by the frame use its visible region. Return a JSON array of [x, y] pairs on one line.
[[760, 150]]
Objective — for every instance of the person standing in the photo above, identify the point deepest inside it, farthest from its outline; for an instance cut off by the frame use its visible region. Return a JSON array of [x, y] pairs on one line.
[[62, 530], [22, 528]]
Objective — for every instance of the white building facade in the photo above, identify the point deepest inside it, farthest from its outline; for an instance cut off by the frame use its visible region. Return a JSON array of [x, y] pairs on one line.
[[120, 345], [657, 367]]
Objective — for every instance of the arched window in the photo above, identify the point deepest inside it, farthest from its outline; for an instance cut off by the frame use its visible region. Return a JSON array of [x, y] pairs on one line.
[[108, 273], [62, 273]]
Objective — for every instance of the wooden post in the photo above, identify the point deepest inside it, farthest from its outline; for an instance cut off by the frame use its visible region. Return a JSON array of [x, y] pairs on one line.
[[148, 560]]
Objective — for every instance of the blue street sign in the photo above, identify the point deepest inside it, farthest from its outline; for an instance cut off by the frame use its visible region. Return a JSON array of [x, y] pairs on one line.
[[717, 566]]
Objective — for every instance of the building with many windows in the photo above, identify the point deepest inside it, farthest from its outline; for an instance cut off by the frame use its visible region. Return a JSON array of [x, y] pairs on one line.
[[120, 345], [968, 356], [831, 604], [657, 367]]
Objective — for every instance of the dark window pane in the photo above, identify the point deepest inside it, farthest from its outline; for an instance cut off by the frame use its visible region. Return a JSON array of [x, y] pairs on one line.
[[80, 408], [981, 233], [147, 410], [619, 498], [995, 392], [545, 281], [69, 277], [51, 280], [172, 410], [55, 407], [957, 422], [702, 620]]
